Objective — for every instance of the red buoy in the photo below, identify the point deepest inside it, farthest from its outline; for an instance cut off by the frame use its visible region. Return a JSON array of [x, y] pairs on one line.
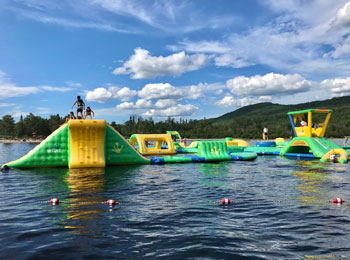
[[225, 201], [338, 200], [54, 201], [111, 202]]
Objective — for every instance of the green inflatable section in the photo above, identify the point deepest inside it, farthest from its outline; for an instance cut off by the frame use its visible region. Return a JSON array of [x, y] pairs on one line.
[[318, 146], [235, 148], [119, 151], [263, 150], [208, 151], [213, 150], [52, 152]]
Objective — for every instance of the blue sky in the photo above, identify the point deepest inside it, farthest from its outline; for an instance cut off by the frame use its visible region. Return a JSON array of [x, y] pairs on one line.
[[170, 58]]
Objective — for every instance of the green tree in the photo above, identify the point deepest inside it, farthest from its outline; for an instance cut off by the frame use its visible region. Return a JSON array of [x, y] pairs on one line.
[[55, 122], [20, 129], [7, 126]]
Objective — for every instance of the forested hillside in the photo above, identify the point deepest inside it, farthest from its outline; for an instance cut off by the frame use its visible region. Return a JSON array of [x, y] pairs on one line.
[[246, 122], [250, 120]]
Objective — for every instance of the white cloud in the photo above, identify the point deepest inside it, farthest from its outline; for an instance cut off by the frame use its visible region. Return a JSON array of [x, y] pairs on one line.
[[127, 8], [202, 47], [230, 101], [142, 65], [140, 104], [44, 110], [232, 61], [165, 103], [125, 94], [295, 40], [102, 95], [9, 90], [126, 16], [175, 111], [339, 87], [74, 84], [195, 91], [160, 91], [56, 89], [7, 104], [342, 49], [203, 90], [57, 14], [342, 18], [269, 84], [73, 23]]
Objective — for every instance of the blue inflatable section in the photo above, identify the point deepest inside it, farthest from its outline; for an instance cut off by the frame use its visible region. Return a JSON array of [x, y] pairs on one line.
[[266, 144]]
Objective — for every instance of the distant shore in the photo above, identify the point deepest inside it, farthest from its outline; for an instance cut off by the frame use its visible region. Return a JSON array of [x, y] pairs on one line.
[[22, 141]]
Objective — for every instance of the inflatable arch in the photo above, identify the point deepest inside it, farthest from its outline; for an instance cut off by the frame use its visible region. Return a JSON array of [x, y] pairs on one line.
[[163, 143]]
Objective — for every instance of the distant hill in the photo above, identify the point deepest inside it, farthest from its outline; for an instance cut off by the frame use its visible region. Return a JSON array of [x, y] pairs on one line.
[[271, 109], [249, 121]]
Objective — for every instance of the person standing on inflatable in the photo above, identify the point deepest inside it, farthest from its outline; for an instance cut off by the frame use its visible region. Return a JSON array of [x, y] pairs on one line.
[[81, 107], [266, 134], [88, 112]]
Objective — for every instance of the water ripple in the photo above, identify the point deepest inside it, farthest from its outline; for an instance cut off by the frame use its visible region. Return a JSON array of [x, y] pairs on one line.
[[280, 210]]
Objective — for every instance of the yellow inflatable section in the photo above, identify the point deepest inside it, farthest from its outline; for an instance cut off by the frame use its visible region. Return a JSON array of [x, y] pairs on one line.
[[192, 145], [237, 142], [331, 155], [87, 143], [144, 141]]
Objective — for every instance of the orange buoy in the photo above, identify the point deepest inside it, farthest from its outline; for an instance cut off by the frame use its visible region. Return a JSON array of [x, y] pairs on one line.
[[111, 202], [225, 201], [338, 200], [54, 201]]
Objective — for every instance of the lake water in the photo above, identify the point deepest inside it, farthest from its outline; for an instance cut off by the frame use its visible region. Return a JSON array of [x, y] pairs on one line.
[[280, 210]]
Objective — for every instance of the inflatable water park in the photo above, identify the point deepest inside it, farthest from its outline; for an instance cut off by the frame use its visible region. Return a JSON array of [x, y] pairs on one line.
[[94, 143]]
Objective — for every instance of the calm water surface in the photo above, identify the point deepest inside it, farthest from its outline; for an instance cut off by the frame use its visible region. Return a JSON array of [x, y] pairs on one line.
[[281, 210]]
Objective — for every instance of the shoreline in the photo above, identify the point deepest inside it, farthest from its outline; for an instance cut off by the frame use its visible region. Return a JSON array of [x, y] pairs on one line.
[[27, 141]]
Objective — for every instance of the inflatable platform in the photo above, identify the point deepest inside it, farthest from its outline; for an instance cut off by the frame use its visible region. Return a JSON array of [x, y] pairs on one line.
[[94, 144], [309, 127]]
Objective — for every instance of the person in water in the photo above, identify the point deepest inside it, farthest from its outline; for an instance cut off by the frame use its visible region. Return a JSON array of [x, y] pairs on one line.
[[88, 112], [81, 107], [70, 116]]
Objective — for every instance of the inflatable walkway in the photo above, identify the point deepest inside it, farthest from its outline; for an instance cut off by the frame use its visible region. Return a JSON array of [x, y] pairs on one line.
[[93, 143], [208, 151]]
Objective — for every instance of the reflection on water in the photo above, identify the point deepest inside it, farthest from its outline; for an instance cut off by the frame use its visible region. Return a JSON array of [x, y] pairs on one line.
[[213, 174], [85, 198], [312, 176]]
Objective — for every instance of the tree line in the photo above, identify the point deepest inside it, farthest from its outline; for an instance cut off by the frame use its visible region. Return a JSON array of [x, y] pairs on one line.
[[25, 128], [246, 127]]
